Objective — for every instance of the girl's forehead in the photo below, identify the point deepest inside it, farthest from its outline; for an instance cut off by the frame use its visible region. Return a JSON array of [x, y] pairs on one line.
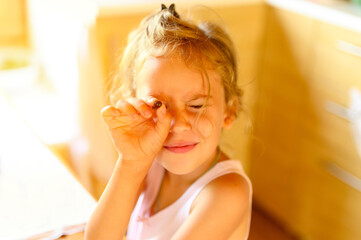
[[173, 78]]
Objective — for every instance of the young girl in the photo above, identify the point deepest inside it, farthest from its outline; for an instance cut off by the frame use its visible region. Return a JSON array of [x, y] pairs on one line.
[[177, 89]]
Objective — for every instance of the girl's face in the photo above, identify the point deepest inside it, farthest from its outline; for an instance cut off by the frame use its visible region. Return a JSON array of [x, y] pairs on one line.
[[192, 138]]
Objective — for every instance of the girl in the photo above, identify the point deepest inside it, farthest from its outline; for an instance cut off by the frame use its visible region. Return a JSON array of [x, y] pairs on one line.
[[177, 89]]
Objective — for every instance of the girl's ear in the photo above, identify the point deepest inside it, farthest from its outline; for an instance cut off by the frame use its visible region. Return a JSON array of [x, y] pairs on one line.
[[230, 113], [228, 122]]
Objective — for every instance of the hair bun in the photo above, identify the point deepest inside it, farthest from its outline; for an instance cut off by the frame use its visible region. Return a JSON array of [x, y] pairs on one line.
[[170, 9]]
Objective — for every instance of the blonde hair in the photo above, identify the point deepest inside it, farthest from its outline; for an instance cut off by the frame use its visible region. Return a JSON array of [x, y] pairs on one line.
[[164, 34]]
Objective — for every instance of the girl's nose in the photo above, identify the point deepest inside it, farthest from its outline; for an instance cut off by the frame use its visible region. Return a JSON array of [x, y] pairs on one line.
[[180, 123]]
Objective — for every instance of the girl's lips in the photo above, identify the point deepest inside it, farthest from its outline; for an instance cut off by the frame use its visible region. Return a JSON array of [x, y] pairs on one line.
[[181, 149]]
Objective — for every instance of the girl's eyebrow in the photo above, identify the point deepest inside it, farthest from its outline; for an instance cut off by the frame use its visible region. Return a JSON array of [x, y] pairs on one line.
[[164, 97], [198, 96]]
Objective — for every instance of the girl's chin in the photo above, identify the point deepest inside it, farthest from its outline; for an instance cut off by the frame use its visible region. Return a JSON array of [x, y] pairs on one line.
[[178, 164], [178, 170]]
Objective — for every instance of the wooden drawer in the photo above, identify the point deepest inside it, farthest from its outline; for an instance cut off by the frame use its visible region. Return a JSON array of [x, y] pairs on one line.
[[328, 131], [335, 73], [308, 154], [337, 65], [330, 34], [330, 206], [345, 74]]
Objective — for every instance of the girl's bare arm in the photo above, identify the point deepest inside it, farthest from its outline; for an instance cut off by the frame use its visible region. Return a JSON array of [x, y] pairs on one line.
[[112, 214], [138, 139]]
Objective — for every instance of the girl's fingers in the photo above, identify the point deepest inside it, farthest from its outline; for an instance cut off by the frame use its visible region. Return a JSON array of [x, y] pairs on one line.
[[127, 109], [110, 112], [132, 108], [164, 121], [141, 107]]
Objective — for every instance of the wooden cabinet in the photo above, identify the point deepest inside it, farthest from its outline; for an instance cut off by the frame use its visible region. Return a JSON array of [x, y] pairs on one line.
[[331, 160], [335, 72], [305, 166], [282, 89]]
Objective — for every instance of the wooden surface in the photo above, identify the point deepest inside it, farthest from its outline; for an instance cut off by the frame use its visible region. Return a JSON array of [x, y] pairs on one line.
[[264, 227], [39, 193], [285, 65], [329, 147], [76, 236], [300, 141]]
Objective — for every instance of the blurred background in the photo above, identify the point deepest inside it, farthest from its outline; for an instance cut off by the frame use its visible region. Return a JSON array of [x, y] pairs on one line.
[[299, 65]]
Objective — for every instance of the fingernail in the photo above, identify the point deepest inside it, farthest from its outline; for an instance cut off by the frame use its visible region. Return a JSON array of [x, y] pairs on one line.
[[151, 99]]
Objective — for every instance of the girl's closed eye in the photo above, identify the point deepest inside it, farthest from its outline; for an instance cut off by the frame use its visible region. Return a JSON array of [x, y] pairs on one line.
[[200, 102], [198, 106]]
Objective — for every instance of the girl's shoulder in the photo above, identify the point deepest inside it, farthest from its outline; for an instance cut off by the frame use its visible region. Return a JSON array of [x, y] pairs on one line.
[[232, 189], [224, 206], [233, 184]]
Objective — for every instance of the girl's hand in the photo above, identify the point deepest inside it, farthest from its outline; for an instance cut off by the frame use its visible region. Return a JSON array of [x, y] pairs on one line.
[[138, 131]]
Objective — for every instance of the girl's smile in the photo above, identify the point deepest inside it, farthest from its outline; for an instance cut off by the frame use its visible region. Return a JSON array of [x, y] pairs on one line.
[[181, 147]]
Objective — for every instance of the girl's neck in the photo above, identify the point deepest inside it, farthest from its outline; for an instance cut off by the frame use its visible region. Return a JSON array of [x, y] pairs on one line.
[[178, 184]]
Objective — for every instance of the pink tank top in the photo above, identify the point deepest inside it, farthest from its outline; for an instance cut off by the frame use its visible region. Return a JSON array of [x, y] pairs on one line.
[[164, 224]]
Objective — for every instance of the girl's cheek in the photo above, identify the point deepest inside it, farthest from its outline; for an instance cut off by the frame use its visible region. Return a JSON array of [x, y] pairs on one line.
[[204, 126]]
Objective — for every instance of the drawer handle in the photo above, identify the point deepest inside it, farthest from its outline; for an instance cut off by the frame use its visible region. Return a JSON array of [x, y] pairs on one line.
[[349, 48], [353, 113], [343, 175], [339, 110]]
